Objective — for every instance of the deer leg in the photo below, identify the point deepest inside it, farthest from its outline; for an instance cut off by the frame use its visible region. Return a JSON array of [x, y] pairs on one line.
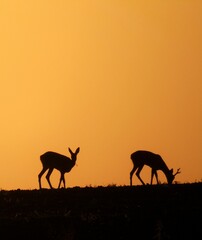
[[131, 174], [62, 179], [138, 174], [153, 172], [156, 175], [48, 177], [152, 175], [40, 175]]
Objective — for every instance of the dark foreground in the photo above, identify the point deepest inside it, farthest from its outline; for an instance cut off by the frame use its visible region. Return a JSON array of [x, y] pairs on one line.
[[141, 212]]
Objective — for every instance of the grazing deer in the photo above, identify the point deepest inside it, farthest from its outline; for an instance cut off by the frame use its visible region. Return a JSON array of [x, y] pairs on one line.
[[155, 162], [51, 160]]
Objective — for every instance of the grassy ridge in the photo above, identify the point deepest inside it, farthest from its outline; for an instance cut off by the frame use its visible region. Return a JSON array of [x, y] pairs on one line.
[[145, 212]]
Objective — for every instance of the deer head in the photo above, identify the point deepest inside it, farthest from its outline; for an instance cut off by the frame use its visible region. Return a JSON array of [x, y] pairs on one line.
[[171, 176], [74, 155]]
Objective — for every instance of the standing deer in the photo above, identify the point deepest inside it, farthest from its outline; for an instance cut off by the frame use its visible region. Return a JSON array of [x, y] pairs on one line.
[[155, 162], [51, 160]]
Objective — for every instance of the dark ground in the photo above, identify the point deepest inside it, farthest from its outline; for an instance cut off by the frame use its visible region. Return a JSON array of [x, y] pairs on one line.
[[139, 212]]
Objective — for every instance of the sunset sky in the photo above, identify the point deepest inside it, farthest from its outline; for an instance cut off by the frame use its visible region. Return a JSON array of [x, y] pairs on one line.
[[108, 76]]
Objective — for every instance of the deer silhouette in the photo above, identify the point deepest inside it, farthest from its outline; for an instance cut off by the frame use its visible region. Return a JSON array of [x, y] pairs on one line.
[[155, 162], [52, 160]]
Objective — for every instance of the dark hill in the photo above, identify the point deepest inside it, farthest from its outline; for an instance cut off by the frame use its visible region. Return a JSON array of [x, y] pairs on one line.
[[139, 212]]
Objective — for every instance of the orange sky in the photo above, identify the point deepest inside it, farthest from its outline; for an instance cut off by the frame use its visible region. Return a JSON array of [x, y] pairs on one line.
[[110, 76]]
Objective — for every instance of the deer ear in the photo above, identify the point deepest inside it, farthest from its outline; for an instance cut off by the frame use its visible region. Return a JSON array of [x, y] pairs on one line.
[[77, 150], [70, 151], [171, 170]]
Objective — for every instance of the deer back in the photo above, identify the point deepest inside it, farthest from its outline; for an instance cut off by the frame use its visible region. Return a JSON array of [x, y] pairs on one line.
[[58, 161], [142, 157]]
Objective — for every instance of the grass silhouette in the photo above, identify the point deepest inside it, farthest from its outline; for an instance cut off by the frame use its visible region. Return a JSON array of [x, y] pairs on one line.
[[112, 212]]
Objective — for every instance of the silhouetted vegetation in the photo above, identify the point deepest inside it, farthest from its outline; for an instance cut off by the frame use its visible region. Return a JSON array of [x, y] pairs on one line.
[[139, 212]]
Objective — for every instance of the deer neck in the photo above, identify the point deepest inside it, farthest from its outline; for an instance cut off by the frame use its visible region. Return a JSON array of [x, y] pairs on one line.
[[166, 171], [73, 162]]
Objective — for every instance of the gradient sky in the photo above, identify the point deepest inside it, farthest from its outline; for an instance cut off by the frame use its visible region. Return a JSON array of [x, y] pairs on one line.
[[109, 76]]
